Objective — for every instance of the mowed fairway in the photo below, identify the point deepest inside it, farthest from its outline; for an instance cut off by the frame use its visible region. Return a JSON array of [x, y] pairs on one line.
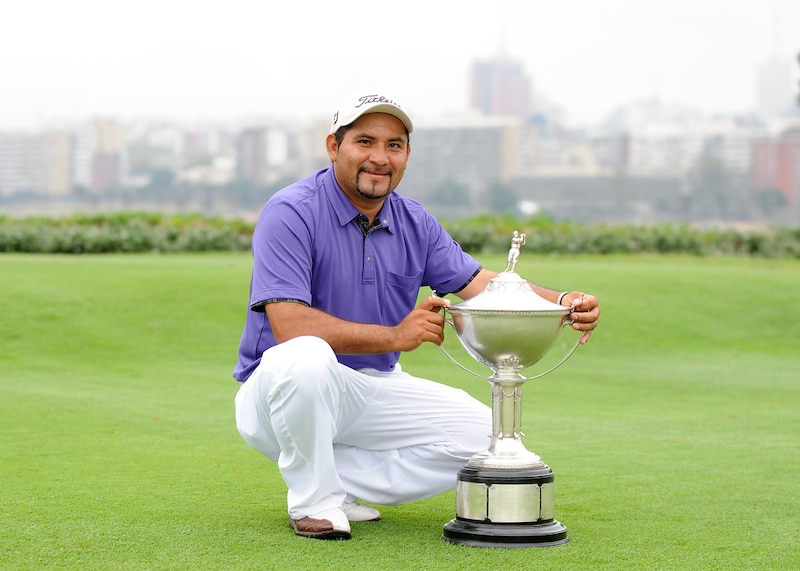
[[674, 434]]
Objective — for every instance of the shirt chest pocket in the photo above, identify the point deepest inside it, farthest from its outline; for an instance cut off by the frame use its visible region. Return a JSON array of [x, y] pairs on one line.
[[399, 296]]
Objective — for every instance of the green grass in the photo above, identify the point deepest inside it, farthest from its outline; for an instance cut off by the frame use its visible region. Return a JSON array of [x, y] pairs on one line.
[[673, 434]]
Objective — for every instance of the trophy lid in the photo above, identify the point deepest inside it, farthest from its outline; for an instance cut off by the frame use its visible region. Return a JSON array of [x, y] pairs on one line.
[[508, 292]]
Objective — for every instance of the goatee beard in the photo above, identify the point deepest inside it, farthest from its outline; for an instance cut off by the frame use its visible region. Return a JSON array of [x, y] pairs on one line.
[[372, 196], [371, 192]]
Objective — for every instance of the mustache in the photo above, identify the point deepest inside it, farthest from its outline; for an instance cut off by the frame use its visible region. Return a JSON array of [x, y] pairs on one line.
[[375, 170]]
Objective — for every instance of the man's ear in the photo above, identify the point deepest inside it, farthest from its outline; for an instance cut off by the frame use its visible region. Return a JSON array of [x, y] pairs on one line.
[[332, 147]]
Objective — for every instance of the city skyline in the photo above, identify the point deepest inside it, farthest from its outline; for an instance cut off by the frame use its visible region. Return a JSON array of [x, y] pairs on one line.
[[213, 61]]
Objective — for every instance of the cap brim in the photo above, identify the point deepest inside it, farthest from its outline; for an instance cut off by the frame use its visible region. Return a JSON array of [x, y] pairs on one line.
[[377, 108]]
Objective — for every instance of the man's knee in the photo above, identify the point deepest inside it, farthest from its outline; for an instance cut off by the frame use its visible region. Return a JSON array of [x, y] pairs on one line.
[[303, 367]]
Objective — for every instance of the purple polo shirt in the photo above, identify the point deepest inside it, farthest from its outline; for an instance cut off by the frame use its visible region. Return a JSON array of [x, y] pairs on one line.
[[308, 247]]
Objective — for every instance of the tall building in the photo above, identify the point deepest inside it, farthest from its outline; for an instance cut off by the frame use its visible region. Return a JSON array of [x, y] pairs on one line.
[[500, 87], [776, 165], [470, 152], [775, 89], [99, 156], [252, 163], [731, 141], [56, 153], [18, 161], [35, 164], [663, 139]]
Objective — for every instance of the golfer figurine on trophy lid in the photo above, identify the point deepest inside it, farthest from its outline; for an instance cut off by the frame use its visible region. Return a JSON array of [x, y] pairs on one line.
[[505, 496]]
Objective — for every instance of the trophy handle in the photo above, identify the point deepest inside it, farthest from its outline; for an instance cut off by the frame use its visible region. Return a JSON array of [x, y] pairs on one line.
[[462, 367], [550, 370], [561, 362]]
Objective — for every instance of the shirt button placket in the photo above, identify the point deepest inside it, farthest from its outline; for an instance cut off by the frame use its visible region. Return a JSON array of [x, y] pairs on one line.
[[368, 273]]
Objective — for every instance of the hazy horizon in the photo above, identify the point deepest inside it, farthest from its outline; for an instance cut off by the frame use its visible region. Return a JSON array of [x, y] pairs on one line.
[[222, 61]]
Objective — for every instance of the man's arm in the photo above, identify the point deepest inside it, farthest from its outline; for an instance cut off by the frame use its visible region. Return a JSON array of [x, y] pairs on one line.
[[479, 283], [424, 324]]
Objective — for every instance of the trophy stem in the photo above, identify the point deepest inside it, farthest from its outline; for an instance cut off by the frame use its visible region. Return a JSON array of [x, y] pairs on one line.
[[506, 449], [506, 410]]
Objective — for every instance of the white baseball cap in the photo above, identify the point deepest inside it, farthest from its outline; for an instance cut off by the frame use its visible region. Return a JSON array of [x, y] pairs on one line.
[[366, 101]]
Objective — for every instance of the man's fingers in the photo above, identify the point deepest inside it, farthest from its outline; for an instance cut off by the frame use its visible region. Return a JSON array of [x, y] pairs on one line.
[[433, 303]]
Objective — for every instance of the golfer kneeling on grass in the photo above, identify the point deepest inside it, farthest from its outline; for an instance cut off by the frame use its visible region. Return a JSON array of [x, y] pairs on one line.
[[338, 262]]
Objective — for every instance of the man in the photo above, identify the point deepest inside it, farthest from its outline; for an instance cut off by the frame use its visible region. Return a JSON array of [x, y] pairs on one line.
[[338, 261]]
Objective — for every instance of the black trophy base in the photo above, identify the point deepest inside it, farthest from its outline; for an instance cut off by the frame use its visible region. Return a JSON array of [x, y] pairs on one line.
[[505, 535], [505, 507]]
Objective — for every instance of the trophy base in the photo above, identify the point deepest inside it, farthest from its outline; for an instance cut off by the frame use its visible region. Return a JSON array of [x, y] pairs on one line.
[[505, 535], [498, 507]]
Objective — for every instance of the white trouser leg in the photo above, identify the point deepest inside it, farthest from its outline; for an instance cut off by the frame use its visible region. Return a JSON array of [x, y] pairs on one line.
[[388, 438]]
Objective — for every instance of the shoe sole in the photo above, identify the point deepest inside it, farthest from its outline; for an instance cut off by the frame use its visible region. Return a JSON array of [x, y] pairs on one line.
[[329, 534]]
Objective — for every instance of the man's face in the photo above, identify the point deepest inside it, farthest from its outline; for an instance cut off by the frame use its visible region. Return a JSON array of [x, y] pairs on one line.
[[371, 159]]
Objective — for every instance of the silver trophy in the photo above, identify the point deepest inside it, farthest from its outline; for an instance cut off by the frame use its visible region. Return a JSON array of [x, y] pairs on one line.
[[505, 496]]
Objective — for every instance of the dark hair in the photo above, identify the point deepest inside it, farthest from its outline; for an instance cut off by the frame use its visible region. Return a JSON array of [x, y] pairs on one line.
[[339, 133]]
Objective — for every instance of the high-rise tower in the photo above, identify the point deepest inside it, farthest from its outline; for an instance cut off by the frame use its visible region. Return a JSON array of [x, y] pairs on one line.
[[500, 87]]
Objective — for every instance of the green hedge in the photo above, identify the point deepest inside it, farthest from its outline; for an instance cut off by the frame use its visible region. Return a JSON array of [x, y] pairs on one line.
[[136, 232], [125, 232], [591, 239], [487, 234]]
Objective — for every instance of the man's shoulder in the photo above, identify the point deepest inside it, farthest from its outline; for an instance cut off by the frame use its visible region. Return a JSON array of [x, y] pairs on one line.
[[302, 203], [410, 213], [301, 191], [408, 206]]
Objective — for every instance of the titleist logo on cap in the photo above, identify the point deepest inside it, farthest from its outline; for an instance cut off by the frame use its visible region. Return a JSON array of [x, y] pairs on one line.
[[368, 99], [357, 104]]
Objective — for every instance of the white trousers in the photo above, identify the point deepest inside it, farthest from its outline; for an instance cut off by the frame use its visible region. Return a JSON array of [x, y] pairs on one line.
[[387, 438]]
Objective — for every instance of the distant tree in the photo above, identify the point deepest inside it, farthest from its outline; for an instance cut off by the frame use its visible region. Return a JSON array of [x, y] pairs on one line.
[[198, 158], [80, 191], [161, 179], [714, 194], [502, 198], [244, 194], [770, 201], [450, 192]]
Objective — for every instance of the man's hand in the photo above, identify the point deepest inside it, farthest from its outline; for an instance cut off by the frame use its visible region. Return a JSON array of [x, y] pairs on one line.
[[585, 312], [424, 324]]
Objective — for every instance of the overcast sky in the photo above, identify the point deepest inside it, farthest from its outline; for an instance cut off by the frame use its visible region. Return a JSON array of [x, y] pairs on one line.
[[63, 60]]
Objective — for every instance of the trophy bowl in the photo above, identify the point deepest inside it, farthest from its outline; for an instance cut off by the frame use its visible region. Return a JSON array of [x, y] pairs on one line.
[[507, 340], [507, 327]]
